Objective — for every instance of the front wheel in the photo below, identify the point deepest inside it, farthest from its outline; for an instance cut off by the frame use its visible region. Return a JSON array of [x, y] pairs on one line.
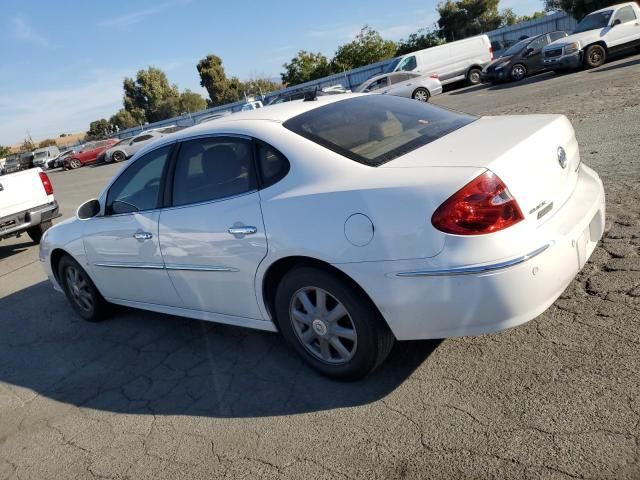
[[81, 291], [421, 94], [35, 233], [518, 72], [75, 163], [595, 56], [331, 324], [118, 156], [474, 76]]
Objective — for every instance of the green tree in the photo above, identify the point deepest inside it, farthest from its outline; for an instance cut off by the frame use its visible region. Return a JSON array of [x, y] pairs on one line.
[[419, 40], [368, 47], [99, 128], [257, 85], [222, 90], [191, 102], [151, 93], [124, 119], [304, 67], [577, 8], [4, 151], [465, 18], [533, 16], [509, 17], [47, 142]]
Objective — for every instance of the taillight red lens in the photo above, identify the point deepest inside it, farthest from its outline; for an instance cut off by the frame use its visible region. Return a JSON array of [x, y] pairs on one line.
[[490, 53], [483, 205], [46, 183]]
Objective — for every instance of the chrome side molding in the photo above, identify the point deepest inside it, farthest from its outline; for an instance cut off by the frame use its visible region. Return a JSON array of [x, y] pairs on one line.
[[170, 266]]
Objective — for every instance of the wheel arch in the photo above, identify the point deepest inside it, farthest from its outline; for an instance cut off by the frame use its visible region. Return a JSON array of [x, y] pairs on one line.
[[597, 42], [475, 66], [55, 257]]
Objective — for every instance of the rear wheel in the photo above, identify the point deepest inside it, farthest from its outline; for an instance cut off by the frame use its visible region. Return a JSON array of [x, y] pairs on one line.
[[81, 291], [75, 163], [35, 233], [332, 325], [595, 56], [118, 156], [474, 76], [518, 72], [421, 94]]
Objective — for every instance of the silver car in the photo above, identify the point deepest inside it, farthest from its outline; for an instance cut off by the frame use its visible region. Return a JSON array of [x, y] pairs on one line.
[[126, 148], [404, 84]]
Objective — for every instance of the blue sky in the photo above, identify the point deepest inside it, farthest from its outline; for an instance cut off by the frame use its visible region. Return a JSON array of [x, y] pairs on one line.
[[63, 62]]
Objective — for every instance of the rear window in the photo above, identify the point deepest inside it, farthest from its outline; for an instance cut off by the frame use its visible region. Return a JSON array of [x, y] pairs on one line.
[[374, 129]]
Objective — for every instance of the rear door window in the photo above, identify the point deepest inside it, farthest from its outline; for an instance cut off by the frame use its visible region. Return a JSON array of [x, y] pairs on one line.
[[408, 63]]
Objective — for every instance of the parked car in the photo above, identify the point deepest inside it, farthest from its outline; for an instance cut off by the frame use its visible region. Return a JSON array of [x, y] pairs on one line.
[[59, 160], [404, 84], [27, 204], [128, 147], [41, 156], [599, 34], [213, 116], [452, 62], [88, 153], [344, 223], [18, 161], [290, 96], [522, 59]]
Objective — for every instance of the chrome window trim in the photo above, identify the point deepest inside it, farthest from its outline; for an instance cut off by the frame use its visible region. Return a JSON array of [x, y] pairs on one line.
[[473, 269], [207, 202]]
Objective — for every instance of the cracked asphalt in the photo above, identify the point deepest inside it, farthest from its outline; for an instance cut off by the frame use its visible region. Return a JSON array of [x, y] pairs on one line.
[[153, 396]]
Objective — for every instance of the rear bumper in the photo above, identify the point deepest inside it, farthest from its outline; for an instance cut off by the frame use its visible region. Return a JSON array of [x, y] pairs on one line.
[[449, 301], [21, 221], [564, 62]]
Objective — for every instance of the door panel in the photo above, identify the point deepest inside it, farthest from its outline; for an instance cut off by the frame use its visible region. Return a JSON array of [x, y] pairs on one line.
[[212, 269]]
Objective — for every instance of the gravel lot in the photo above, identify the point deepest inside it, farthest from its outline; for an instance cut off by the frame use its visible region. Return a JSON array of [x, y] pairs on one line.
[[153, 396]]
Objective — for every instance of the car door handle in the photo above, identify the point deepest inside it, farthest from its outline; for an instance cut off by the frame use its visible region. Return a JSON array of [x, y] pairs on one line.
[[142, 236], [242, 230]]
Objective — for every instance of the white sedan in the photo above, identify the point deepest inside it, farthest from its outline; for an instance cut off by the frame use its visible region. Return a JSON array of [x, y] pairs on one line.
[[345, 223], [414, 85]]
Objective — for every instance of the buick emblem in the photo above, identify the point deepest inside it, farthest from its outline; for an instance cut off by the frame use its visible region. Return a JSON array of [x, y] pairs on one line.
[[562, 157]]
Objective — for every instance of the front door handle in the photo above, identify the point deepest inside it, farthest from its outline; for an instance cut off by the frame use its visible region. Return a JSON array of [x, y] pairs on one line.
[[243, 230], [142, 236]]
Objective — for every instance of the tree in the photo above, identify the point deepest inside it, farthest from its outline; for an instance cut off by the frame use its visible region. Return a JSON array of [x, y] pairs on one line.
[[4, 151], [368, 47], [191, 102], [150, 93], [48, 142], [423, 38], [99, 128], [577, 8], [509, 17], [304, 67], [124, 119], [257, 85], [533, 16], [465, 18], [27, 145], [222, 90]]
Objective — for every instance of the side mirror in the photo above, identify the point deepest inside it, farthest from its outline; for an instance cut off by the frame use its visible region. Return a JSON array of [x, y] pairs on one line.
[[88, 209], [617, 21], [528, 51]]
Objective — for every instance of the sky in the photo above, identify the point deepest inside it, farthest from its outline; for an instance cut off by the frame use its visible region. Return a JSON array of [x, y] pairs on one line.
[[63, 62]]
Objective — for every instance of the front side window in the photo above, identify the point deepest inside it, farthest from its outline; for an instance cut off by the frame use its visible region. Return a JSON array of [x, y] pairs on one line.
[[213, 168], [141, 138], [538, 43], [138, 188], [408, 64], [625, 14], [377, 85], [374, 129]]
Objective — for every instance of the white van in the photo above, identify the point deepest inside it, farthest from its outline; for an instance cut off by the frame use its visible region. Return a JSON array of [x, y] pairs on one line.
[[452, 62]]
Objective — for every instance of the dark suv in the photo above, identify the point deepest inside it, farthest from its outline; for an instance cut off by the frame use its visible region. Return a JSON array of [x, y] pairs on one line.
[[520, 60]]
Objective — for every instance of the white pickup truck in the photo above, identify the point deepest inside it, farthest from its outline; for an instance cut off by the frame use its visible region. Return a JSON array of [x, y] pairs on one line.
[[597, 35], [26, 204]]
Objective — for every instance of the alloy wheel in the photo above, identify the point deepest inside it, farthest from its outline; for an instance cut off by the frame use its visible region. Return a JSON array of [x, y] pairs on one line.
[[421, 95], [323, 325], [78, 287], [518, 72]]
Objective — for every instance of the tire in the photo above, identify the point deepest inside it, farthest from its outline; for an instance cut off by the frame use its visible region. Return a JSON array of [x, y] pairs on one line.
[[35, 233], [518, 72], [474, 76], [595, 56], [74, 163], [421, 94], [118, 156], [81, 291], [359, 328]]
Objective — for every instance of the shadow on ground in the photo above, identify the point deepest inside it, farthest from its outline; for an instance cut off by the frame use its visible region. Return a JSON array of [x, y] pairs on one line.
[[141, 362], [7, 250]]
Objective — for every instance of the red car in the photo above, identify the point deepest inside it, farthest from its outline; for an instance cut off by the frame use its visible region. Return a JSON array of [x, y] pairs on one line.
[[88, 153]]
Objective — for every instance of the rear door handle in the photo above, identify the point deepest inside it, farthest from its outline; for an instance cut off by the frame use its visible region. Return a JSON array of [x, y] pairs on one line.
[[142, 236], [243, 230]]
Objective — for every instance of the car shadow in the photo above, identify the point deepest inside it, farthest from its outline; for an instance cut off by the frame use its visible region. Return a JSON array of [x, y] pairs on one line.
[[148, 363], [14, 248], [629, 63]]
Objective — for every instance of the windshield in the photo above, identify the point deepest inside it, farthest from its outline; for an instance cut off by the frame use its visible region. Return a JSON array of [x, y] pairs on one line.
[[392, 66], [594, 21], [374, 129], [517, 48]]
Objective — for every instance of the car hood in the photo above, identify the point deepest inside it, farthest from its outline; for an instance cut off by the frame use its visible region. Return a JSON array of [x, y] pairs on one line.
[[499, 60], [583, 37]]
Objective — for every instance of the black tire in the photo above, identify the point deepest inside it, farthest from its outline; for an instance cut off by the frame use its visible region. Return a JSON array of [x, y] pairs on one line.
[[421, 94], [372, 339], [474, 76], [595, 56], [518, 72], [93, 308], [74, 163], [35, 233], [118, 156]]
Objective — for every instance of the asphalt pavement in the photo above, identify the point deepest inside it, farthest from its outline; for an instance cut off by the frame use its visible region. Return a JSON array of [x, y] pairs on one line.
[[145, 395]]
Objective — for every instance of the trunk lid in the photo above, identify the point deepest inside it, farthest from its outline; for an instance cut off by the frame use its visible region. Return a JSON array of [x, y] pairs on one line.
[[524, 151], [21, 191]]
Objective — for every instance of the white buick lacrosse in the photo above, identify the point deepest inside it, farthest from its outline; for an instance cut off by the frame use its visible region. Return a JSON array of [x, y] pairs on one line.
[[345, 222]]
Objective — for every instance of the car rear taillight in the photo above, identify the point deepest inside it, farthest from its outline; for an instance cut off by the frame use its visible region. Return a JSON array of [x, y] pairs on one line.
[[435, 75], [46, 183], [483, 205], [490, 53]]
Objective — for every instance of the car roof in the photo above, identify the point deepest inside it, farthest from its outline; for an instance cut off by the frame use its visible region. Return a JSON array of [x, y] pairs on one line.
[[613, 7]]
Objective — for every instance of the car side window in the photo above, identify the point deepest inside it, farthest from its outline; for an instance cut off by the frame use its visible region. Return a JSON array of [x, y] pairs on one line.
[[625, 14], [272, 164], [401, 77], [408, 64], [213, 168], [138, 187], [378, 84], [141, 138], [538, 43]]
